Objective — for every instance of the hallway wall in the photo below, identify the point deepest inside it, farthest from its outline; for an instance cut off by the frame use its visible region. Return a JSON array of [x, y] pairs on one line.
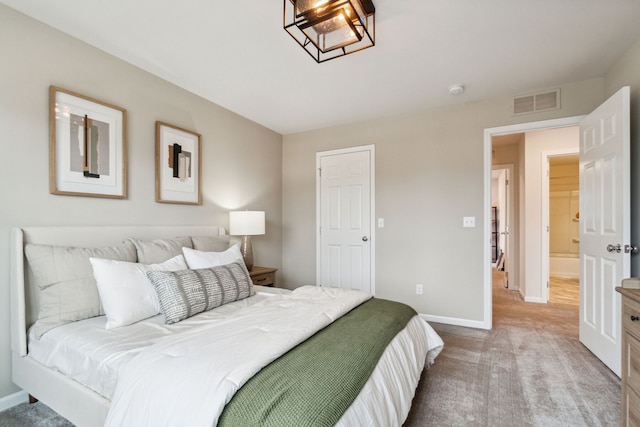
[[547, 142]]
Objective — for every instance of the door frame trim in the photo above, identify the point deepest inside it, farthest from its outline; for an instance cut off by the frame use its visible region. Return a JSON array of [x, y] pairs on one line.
[[372, 190], [489, 133]]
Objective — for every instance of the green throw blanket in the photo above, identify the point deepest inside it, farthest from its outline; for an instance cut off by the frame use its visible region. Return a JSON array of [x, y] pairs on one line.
[[314, 383]]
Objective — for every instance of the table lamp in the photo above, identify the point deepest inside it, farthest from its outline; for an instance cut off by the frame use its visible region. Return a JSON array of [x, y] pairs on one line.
[[246, 224]]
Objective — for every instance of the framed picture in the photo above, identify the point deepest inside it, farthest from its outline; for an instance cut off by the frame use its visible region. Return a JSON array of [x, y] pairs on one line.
[[178, 163], [87, 146]]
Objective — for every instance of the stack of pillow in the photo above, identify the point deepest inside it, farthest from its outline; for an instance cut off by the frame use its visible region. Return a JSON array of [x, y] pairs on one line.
[[139, 279]]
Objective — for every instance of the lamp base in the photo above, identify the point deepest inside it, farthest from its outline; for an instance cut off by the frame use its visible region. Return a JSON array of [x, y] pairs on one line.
[[247, 252]]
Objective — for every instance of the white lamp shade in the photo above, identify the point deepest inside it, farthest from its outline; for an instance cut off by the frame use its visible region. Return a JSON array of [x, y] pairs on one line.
[[246, 223]]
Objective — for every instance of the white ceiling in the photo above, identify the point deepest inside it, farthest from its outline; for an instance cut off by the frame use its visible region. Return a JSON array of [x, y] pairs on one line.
[[236, 53]]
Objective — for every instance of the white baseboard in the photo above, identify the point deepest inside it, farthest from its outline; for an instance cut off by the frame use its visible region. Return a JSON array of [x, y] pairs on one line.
[[534, 299], [455, 321], [13, 400]]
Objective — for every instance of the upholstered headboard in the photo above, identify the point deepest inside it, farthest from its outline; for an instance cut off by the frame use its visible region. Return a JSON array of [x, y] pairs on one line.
[[24, 296]]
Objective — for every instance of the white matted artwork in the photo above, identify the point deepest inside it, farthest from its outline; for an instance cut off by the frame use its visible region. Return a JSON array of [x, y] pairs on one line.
[[178, 163], [87, 146]]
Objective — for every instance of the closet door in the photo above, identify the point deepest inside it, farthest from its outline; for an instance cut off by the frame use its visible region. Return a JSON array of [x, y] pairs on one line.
[[345, 212]]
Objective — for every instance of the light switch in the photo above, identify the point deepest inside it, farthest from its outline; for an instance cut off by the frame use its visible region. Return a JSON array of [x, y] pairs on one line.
[[469, 221], [380, 222]]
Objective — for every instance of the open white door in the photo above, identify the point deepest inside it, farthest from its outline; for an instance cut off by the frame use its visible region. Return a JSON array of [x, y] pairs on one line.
[[604, 225]]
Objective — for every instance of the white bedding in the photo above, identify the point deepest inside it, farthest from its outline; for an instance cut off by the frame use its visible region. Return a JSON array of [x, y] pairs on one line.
[[94, 356], [205, 366], [385, 399]]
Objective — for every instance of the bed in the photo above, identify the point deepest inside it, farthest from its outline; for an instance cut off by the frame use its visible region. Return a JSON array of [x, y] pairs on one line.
[[97, 369]]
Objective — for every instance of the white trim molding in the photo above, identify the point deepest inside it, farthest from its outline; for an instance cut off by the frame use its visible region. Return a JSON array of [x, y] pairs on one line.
[[476, 324], [14, 399]]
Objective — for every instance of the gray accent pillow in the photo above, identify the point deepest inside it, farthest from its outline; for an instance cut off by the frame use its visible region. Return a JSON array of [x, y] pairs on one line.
[[185, 293], [159, 250], [211, 243], [64, 277]]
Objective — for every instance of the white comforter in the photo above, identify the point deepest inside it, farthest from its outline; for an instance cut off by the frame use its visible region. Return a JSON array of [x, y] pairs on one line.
[[189, 378]]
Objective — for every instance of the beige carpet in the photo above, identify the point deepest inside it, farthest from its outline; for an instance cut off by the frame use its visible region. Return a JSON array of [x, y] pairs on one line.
[[32, 415], [529, 370]]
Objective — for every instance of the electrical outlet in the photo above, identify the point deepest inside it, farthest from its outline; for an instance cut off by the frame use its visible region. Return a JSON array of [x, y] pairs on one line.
[[418, 289], [469, 221]]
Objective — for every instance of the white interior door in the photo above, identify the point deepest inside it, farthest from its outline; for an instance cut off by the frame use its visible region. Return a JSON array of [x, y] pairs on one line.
[[604, 225], [345, 217]]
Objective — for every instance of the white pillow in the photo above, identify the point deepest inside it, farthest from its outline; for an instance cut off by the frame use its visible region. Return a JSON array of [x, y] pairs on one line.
[[199, 259], [127, 294]]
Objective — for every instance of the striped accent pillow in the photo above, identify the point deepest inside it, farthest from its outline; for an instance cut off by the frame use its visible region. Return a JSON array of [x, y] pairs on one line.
[[185, 293]]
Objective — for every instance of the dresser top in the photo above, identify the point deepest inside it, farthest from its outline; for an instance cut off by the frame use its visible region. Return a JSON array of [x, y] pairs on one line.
[[633, 294]]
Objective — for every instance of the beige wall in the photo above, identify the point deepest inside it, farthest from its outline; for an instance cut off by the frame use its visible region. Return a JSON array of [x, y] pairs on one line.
[[241, 160], [564, 177], [538, 145], [429, 174], [627, 73]]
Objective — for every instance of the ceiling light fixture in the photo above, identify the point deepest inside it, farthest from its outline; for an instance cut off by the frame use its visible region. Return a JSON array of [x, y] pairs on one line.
[[329, 29]]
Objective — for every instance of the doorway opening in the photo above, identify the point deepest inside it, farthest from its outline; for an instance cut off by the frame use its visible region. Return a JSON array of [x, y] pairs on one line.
[[564, 229], [502, 224], [604, 170], [527, 239], [547, 164]]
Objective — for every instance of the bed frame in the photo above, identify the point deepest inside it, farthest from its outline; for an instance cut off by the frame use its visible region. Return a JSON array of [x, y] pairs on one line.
[[77, 403]]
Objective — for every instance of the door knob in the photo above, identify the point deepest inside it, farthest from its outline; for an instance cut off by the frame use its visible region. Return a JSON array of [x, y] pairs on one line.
[[365, 238], [630, 249], [614, 248]]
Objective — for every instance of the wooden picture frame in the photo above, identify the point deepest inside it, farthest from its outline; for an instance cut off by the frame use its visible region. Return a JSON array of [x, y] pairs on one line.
[[178, 165], [86, 160]]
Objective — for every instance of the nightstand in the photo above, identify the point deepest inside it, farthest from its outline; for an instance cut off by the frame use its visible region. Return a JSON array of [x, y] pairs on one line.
[[263, 276]]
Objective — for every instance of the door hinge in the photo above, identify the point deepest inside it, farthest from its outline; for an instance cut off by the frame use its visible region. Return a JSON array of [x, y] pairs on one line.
[[547, 284], [320, 172]]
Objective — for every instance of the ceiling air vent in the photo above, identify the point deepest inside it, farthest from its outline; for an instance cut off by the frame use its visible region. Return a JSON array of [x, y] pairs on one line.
[[533, 103]]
